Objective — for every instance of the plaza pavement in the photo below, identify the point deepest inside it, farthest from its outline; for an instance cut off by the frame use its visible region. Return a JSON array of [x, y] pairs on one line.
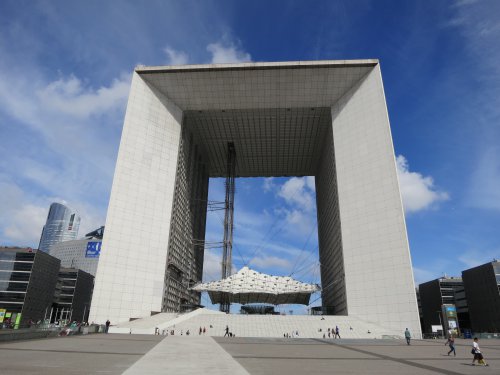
[[148, 354]]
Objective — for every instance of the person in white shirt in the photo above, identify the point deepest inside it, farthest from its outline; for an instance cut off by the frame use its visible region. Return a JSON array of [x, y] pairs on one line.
[[477, 354]]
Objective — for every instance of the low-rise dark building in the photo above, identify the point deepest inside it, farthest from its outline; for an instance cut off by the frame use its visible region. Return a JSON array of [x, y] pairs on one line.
[[27, 281], [72, 296], [443, 291], [482, 286]]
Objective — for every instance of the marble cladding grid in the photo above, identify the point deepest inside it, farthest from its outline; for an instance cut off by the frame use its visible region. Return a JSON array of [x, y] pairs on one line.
[[378, 267], [129, 280], [130, 276]]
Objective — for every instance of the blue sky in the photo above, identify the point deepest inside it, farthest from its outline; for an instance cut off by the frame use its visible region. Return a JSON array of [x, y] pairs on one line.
[[65, 70]]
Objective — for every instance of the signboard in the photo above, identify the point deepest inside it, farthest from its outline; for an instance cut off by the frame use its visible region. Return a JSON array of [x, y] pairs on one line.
[[2, 314], [436, 328], [450, 319], [451, 311], [18, 321], [93, 250]]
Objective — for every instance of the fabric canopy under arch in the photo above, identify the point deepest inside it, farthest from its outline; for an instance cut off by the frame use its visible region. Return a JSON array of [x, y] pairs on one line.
[[249, 286]]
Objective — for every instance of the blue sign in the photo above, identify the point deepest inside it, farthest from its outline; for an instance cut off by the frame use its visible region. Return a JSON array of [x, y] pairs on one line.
[[93, 250], [451, 308]]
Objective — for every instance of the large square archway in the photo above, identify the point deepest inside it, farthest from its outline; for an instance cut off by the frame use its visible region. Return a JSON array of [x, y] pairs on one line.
[[326, 119]]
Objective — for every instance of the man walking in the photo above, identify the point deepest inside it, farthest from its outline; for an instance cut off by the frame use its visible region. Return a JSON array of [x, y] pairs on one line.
[[108, 323], [477, 354], [407, 336], [227, 332], [337, 332]]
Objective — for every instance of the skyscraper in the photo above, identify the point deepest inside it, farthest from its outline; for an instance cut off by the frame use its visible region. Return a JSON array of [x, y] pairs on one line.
[[62, 225]]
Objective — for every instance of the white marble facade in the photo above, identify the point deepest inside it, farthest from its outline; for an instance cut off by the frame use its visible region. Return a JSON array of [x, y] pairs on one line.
[[347, 96]]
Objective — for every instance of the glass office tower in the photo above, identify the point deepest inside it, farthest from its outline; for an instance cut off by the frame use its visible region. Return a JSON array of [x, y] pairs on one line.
[[62, 225]]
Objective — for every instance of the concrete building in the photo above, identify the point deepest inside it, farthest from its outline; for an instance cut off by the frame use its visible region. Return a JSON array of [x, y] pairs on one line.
[[482, 285], [27, 281], [62, 225], [82, 254], [443, 291], [326, 119], [72, 296]]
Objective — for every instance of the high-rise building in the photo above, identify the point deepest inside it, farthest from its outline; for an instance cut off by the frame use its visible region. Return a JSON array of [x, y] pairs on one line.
[[482, 285], [62, 225], [326, 119]]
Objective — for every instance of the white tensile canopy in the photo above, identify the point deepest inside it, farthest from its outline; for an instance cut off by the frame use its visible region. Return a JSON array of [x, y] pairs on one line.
[[249, 286]]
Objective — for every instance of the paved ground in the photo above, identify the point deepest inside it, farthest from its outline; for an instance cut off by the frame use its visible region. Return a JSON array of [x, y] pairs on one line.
[[146, 354], [318, 356], [92, 354]]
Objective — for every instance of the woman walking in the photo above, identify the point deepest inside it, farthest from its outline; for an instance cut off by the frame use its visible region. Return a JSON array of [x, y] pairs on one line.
[[451, 344]]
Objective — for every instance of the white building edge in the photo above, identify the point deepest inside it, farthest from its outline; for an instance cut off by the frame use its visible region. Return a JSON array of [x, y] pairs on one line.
[[327, 119]]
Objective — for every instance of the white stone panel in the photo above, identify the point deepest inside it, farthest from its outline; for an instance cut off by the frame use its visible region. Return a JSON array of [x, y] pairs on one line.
[[131, 271], [378, 272]]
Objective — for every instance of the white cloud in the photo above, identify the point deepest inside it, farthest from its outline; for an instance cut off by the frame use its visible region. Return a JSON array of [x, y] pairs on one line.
[[268, 262], [297, 192], [268, 184], [422, 275], [227, 52], [21, 221], [418, 191], [211, 266], [24, 215], [68, 95], [484, 190], [70, 133], [473, 258], [175, 57], [461, 3], [310, 183]]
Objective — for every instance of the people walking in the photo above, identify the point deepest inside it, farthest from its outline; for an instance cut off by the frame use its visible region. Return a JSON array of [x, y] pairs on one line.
[[407, 336], [477, 354], [108, 323], [337, 332], [227, 332], [451, 343]]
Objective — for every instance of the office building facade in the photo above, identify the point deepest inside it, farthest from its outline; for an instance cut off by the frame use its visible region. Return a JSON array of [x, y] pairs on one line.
[[482, 286], [27, 281], [326, 119], [62, 225], [82, 254], [448, 291], [72, 296]]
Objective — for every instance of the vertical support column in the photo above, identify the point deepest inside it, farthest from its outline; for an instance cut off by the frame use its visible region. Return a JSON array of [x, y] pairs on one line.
[[378, 272], [130, 275]]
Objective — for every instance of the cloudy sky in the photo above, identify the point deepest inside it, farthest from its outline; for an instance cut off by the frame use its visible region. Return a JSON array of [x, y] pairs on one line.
[[65, 69]]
